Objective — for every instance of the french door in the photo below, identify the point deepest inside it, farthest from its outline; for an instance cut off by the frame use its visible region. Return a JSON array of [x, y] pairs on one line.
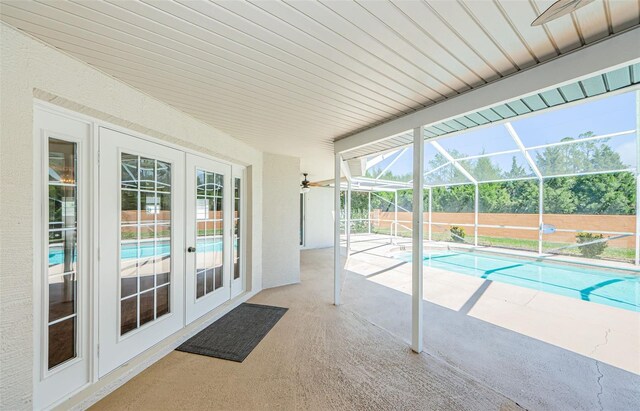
[[143, 241], [141, 254], [208, 224]]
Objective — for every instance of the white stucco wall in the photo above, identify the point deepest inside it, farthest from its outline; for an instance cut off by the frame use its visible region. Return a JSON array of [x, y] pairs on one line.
[[281, 213], [29, 68], [319, 218]]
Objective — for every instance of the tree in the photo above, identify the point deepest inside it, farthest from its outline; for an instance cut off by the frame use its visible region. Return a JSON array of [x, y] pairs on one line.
[[558, 195], [483, 169], [453, 199], [606, 193]]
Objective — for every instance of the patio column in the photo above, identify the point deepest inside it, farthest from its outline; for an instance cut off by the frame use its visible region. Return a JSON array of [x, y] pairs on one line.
[[637, 260], [347, 208], [417, 250], [337, 269]]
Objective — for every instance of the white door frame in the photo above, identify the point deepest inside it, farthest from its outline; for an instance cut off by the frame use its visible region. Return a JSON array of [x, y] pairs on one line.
[[55, 385], [116, 349], [197, 307], [239, 285]]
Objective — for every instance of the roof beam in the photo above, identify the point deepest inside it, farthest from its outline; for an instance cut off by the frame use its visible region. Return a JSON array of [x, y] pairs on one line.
[[610, 53], [525, 153], [392, 162], [453, 161], [379, 158], [345, 169]]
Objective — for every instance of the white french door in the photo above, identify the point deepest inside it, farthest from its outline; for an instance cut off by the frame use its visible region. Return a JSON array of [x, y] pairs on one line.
[[163, 246], [141, 257], [208, 222]]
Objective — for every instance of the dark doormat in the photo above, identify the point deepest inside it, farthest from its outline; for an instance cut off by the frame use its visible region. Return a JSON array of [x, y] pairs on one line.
[[236, 334]]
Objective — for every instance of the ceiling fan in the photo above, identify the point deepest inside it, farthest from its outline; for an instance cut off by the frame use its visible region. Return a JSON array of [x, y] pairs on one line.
[[304, 186], [559, 9]]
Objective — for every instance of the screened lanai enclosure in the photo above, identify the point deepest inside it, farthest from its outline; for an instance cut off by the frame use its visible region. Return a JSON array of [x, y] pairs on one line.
[[554, 174]]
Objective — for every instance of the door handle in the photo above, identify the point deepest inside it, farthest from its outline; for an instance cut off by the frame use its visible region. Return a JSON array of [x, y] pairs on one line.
[[191, 250]]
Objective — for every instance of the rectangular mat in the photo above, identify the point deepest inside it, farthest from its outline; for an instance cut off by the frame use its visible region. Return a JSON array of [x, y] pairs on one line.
[[236, 334]]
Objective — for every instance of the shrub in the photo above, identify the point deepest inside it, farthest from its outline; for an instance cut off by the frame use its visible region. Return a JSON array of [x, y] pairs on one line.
[[457, 234], [591, 250]]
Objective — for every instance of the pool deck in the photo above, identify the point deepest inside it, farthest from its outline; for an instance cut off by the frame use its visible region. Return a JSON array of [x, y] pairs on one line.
[[546, 339]]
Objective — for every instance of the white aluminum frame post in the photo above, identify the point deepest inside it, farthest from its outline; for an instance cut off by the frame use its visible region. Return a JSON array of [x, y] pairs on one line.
[[347, 217], [417, 249], [637, 259], [337, 268]]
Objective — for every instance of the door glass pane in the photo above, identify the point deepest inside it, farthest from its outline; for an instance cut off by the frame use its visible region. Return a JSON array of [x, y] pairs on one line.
[[145, 240], [209, 232], [162, 301], [129, 170], [62, 341], [62, 274], [236, 229]]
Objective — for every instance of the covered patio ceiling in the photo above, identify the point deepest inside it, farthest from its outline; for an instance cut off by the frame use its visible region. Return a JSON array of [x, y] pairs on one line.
[[291, 77]]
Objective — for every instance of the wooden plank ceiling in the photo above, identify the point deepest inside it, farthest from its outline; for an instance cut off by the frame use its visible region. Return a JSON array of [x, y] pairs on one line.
[[290, 77]]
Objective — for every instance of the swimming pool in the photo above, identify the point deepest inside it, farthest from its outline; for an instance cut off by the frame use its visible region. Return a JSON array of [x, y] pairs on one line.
[[146, 249], [616, 289]]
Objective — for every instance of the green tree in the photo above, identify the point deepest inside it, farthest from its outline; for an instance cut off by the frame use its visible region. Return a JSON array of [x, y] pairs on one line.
[[558, 195]]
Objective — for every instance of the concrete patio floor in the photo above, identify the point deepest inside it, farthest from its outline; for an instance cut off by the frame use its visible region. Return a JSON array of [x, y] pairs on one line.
[[488, 346], [542, 350], [318, 357]]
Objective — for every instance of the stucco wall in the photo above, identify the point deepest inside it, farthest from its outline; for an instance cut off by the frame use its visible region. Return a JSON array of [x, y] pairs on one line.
[[319, 218], [29, 68], [281, 208]]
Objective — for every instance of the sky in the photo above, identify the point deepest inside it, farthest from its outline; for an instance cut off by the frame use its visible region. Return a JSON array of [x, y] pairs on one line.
[[603, 116]]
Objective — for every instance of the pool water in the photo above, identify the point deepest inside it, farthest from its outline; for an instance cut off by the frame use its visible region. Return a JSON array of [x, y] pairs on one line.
[[146, 249], [597, 285]]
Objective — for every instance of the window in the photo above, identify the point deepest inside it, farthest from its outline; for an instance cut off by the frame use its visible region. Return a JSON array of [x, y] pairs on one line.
[[62, 275], [209, 232], [145, 240]]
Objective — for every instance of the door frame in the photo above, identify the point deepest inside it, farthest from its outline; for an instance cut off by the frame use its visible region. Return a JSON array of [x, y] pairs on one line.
[[44, 380], [240, 285]]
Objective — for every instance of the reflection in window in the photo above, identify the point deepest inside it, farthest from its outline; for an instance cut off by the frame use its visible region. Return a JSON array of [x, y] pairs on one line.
[[145, 240], [209, 232], [62, 252]]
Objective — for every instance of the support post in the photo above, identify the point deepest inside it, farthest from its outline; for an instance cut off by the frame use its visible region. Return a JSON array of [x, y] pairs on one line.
[[369, 213], [637, 260], [430, 211], [337, 267], [347, 208], [417, 249], [475, 215], [540, 213]]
